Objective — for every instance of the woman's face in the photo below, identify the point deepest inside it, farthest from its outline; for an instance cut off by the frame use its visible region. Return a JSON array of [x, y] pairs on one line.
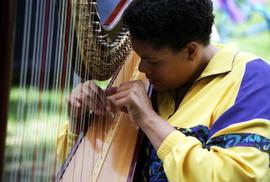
[[165, 69]]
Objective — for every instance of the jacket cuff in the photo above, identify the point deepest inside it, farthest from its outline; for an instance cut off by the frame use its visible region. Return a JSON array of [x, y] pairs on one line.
[[171, 140]]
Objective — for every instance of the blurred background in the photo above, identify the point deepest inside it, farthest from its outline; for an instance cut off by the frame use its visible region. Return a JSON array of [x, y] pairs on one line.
[[246, 23]]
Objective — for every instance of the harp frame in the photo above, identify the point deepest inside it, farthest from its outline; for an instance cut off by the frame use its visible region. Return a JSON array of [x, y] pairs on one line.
[[7, 31]]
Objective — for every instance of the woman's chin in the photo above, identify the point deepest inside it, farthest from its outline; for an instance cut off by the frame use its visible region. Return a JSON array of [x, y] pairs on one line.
[[159, 87]]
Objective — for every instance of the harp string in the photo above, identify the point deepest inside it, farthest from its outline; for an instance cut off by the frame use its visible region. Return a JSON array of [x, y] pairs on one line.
[[88, 38], [82, 24], [45, 158], [22, 95], [21, 143], [37, 80], [57, 68], [27, 152], [103, 124], [37, 153], [77, 65], [44, 150], [48, 51], [37, 53]]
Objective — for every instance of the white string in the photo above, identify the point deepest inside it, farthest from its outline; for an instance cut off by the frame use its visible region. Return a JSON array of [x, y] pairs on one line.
[[22, 94], [57, 58], [38, 153], [44, 152], [32, 108]]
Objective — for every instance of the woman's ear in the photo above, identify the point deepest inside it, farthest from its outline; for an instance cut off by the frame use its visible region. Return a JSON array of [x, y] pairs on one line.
[[192, 50]]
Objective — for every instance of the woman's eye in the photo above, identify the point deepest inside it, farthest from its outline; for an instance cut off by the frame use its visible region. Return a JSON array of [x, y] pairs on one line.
[[152, 63]]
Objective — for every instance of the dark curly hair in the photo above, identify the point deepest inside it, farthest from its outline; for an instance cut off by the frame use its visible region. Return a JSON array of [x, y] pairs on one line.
[[171, 23]]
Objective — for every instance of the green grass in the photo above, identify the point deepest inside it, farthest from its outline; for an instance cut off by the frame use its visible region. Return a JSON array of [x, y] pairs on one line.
[[34, 121], [258, 43]]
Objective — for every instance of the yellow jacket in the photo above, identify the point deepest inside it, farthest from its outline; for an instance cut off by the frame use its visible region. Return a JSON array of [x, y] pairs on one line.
[[230, 100]]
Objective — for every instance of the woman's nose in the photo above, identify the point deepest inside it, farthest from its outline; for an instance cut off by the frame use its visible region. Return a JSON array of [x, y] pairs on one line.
[[144, 68]]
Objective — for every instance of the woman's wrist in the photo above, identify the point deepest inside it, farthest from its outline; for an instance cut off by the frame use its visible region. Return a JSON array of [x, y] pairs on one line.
[[156, 129]]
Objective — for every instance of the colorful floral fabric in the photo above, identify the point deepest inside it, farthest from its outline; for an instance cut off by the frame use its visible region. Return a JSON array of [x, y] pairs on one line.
[[155, 166]]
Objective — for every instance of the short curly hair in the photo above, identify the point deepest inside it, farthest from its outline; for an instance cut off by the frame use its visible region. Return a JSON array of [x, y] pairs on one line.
[[171, 23]]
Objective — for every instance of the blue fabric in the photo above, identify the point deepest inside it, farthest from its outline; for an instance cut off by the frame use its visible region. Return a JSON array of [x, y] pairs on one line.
[[241, 139], [105, 8], [155, 166], [111, 8], [200, 132], [256, 81]]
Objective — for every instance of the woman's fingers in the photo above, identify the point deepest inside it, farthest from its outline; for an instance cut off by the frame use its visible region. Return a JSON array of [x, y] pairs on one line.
[[73, 102], [88, 96], [110, 91]]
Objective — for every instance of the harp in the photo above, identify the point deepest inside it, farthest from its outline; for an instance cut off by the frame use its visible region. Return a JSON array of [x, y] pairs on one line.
[[54, 45]]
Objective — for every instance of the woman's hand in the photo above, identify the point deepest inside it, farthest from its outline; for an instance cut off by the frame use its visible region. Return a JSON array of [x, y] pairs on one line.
[[132, 98], [87, 97]]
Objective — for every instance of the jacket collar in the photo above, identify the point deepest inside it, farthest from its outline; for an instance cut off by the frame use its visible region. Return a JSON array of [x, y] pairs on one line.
[[222, 62]]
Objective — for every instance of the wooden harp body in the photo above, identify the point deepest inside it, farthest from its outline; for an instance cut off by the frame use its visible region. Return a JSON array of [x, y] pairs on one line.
[[108, 151], [54, 45]]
